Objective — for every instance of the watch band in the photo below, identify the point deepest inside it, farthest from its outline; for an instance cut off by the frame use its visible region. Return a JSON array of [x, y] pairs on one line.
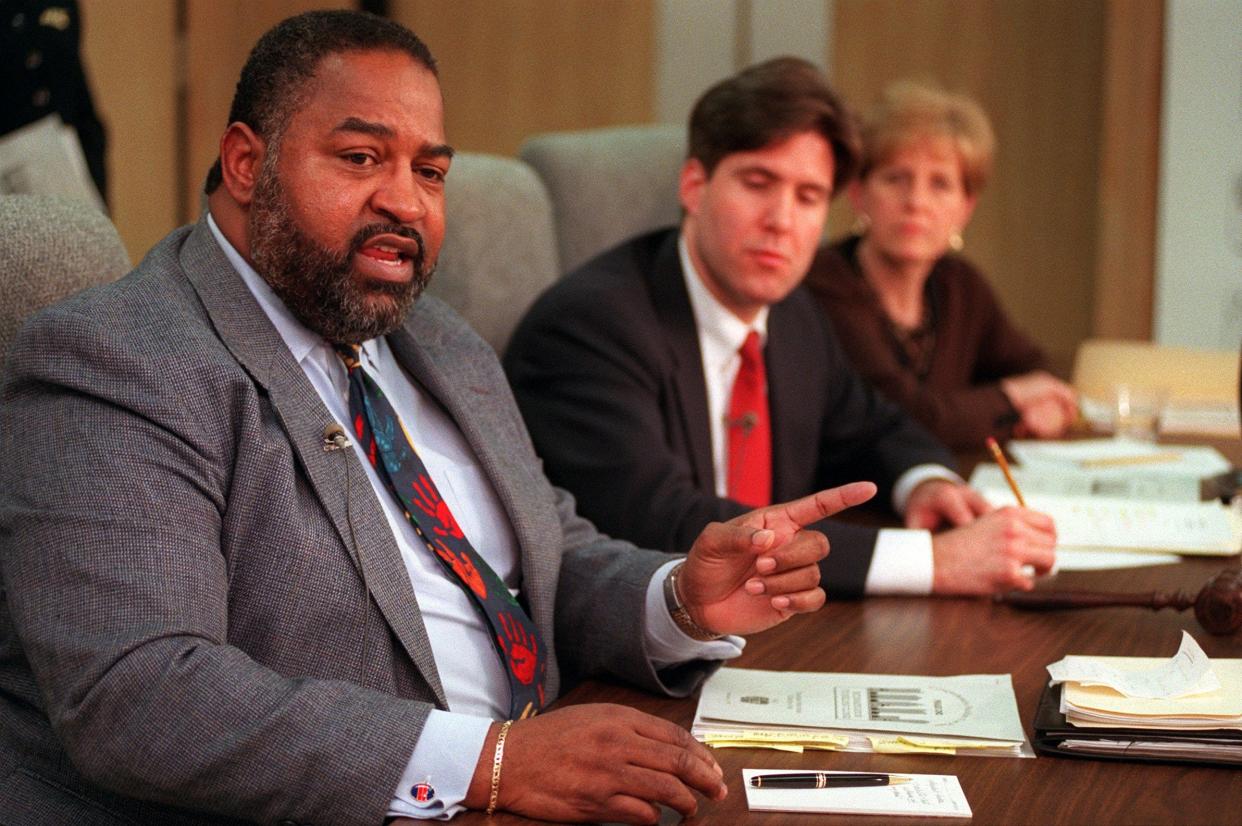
[[681, 617]]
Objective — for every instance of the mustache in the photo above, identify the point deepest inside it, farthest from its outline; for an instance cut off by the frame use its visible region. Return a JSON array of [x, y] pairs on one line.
[[362, 236]]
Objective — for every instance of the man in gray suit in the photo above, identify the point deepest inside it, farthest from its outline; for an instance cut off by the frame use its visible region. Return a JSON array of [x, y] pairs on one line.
[[214, 609]]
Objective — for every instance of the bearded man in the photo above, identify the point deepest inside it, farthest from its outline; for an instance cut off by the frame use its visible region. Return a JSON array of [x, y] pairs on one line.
[[275, 545]]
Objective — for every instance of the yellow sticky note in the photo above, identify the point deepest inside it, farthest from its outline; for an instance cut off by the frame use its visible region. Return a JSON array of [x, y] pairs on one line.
[[805, 737], [900, 745], [747, 744], [954, 744]]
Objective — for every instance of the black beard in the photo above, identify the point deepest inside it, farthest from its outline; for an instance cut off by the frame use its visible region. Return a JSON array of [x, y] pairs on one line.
[[317, 284]]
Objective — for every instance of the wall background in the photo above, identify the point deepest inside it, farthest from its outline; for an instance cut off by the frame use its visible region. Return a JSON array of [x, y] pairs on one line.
[[1199, 288], [1067, 229]]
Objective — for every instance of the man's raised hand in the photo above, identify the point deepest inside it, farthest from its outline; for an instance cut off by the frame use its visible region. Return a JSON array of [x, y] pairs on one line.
[[760, 568]]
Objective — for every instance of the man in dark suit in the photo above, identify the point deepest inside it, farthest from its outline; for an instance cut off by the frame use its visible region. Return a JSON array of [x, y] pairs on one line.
[[222, 600], [627, 370]]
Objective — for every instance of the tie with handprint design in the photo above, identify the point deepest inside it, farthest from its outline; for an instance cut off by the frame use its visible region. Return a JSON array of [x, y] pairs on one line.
[[391, 452]]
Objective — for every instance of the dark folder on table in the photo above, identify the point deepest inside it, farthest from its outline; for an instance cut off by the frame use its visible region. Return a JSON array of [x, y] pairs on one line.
[[1053, 735]]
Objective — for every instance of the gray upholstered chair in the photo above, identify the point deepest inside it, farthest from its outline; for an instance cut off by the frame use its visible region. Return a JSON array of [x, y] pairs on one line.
[[499, 250], [608, 185], [51, 247]]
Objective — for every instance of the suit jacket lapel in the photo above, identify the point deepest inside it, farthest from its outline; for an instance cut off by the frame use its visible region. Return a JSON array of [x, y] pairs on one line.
[[676, 319], [781, 357], [256, 344]]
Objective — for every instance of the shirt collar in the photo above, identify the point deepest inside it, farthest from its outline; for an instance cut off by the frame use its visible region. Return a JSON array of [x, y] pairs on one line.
[[299, 338], [716, 324]]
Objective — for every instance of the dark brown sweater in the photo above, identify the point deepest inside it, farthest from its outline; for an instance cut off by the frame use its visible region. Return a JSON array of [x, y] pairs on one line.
[[956, 391]]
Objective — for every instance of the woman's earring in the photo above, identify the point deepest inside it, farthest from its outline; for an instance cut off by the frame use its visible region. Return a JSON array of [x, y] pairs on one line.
[[956, 242], [862, 223]]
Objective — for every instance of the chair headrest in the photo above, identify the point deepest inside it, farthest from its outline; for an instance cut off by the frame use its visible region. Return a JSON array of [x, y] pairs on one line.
[[50, 248]]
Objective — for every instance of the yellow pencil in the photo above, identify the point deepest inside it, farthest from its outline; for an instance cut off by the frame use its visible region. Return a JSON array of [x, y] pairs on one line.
[[1004, 466]]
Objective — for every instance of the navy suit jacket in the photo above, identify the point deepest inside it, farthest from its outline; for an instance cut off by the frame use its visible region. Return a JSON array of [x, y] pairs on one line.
[[607, 371]]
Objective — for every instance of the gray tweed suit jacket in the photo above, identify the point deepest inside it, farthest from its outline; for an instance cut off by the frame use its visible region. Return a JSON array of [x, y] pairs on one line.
[[204, 615]]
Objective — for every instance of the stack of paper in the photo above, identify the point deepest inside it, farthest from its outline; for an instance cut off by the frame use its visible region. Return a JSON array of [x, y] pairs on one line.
[[1118, 458], [1201, 528], [928, 795], [1045, 480], [1117, 502], [1186, 692], [1184, 708], [1205, 419], [1180, 417], [967, 714]]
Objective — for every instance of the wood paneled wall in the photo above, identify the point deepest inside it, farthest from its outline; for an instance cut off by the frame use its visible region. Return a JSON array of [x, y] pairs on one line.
[[131, 58], [513, 68], [1129, 170], [1035, 66], [1065, 230], [219, 34], [164, 74]]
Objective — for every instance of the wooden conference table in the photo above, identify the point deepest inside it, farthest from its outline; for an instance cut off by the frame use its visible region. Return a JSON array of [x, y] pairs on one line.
[[942, 636]]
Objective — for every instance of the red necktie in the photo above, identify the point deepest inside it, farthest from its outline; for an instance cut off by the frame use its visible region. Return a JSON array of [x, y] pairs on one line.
[[750, 432]]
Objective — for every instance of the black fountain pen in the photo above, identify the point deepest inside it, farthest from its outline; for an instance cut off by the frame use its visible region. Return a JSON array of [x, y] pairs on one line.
[[826, 780]]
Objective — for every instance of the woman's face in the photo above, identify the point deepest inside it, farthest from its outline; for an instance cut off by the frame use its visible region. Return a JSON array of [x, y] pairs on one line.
[[915, 200]]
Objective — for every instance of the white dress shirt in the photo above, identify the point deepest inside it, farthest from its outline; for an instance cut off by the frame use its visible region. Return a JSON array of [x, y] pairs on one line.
[[474, 681], [902, 561]]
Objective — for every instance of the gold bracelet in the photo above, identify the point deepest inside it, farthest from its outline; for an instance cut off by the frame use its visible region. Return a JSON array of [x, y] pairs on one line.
[[496, 759]]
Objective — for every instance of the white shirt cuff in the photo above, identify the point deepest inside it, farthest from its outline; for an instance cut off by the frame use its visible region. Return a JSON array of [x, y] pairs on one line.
[[915, 476], [669, 645], [444, 758], [902, 563]]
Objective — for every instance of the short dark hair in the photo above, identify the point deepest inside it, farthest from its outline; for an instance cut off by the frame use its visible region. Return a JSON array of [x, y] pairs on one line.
[[276, 75], [767, 103]]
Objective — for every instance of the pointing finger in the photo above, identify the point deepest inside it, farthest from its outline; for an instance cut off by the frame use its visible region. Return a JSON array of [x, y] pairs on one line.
[[825, 503]]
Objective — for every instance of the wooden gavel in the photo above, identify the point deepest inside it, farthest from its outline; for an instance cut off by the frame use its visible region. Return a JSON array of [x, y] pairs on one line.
[[1218, 605]]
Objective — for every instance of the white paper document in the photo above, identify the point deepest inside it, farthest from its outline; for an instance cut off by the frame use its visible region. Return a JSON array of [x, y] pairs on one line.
[[1119, 457], [1204, 528], [1188, 672], [928, 795], [966, 714], [1090, 706], [1180, 417], [1101, 559], [1040, 480]]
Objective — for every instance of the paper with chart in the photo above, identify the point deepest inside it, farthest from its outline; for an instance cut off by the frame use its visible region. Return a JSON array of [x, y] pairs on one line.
[[972, 713], [927, 795]]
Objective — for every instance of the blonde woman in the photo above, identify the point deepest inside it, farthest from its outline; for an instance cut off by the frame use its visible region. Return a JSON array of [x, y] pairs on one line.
[[918, 320]]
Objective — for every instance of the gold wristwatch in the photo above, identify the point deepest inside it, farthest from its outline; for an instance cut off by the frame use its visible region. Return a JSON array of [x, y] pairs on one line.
[[681, 617]]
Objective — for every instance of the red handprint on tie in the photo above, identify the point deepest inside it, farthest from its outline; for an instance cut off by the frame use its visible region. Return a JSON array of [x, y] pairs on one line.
[[428, 500], [519, 648], [462, 566]]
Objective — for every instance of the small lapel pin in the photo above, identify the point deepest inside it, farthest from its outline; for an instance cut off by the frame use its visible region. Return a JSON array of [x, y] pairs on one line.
[[334, 438]]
